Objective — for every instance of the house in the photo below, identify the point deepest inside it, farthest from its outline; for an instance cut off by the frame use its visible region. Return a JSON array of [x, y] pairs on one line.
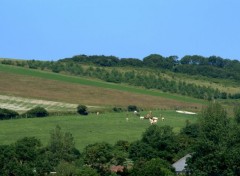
[[180, 165]]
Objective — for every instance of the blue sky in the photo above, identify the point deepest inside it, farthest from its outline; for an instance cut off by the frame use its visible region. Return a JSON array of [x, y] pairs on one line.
[[56, 29]]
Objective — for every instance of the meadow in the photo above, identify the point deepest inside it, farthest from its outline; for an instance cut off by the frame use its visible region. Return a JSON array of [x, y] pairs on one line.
[[67, 79], [108, 127]]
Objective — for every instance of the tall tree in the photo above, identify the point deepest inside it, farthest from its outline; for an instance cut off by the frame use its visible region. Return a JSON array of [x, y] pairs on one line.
[[209, 157]]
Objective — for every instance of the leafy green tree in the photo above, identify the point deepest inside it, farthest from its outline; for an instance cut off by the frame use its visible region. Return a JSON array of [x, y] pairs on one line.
[[82, 109], [61, 147], [154, 167], [66, 169], [139, 149], [36, 112], [19, 158], [86, 171], [7, 114], [162, 139], [191, 130], [132, 108], [98, 156], [209, 157], [236, 111]]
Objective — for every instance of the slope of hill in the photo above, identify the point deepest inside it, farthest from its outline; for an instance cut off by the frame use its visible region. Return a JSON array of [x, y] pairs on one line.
[[29, 83]]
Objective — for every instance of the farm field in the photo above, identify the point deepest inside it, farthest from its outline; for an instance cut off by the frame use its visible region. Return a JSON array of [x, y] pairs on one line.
[[109, 127], [35, 84]]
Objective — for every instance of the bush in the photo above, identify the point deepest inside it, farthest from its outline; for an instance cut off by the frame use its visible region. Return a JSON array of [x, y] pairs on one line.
[[117, 109], [132, 108], [7, 114], [82, 109], [36, 112]]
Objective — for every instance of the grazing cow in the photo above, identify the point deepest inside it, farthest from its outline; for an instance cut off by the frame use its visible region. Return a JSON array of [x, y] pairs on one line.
[[152, 121], [149, 115], [141, 117]]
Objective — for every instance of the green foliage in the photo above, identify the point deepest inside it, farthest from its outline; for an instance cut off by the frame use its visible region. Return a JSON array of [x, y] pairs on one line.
[[161, 139], [87, 171], [36, 112], [62, 146], [19, 159], [236, 111], [190, 130], [7, 114], [82, 109], [117, 109], [217, 141], [154, 167], [98, 154], [132, 108], [139, 149], [66, 169], [122, 145]]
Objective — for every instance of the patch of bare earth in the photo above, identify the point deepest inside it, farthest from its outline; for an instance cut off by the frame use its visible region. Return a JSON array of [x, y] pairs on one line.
[[38, 88]]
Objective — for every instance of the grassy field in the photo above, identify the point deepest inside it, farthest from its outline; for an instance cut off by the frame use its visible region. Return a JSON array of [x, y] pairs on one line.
[[109, 127], [36, 84]]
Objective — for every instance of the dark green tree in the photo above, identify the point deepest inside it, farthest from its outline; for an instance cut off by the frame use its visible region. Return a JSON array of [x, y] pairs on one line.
[[82, 109], [7, 114], [61, 147], [209, 156], [162, 139], [98, 156], [154, 167], [36, 112], [236, 111]]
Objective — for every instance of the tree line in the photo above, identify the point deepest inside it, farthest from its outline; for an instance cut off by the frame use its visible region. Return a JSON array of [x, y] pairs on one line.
[[213, 143], [213, 66]]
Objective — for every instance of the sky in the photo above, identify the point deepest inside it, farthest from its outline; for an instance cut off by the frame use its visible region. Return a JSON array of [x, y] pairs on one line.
[[57, 29]]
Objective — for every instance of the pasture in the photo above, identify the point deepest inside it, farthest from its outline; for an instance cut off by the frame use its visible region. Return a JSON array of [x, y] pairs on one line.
[[109, 127], [30, 83]]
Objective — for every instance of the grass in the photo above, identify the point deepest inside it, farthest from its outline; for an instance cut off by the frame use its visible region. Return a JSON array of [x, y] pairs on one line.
[[108, 127], [94, 83]]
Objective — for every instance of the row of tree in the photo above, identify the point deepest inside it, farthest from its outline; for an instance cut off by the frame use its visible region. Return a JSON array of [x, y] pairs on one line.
[[212, 66], [213, 143], [34, 112]]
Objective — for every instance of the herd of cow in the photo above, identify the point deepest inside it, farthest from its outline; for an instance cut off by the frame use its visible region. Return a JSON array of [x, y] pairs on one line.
[[152, 119]]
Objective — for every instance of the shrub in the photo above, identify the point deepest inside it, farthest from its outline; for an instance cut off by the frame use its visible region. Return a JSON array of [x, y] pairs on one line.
[[117, 109], [82, 109], [132, 108], [36, 112], [7, 114]]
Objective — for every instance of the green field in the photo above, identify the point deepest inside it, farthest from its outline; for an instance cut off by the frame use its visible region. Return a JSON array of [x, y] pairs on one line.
[[109, 127], [94, 83]]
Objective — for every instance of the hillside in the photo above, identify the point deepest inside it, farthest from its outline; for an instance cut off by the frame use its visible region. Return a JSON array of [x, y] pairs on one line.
[[78, 81], [29, 83]]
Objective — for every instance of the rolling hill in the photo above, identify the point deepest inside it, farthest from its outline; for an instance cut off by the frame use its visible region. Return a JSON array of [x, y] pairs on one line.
[[43, 85]]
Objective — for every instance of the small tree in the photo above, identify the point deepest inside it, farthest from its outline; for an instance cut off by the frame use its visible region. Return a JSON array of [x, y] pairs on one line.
[[7, 114], [36, 112], [82, 109], [237, 113], [132, 108]]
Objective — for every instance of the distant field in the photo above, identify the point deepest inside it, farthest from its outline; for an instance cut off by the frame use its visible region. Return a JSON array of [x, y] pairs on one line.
[[23, 104], [28, 83], [109, 127]]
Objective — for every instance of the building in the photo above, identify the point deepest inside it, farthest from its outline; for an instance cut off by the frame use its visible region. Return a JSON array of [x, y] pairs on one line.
[[181, 164]]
